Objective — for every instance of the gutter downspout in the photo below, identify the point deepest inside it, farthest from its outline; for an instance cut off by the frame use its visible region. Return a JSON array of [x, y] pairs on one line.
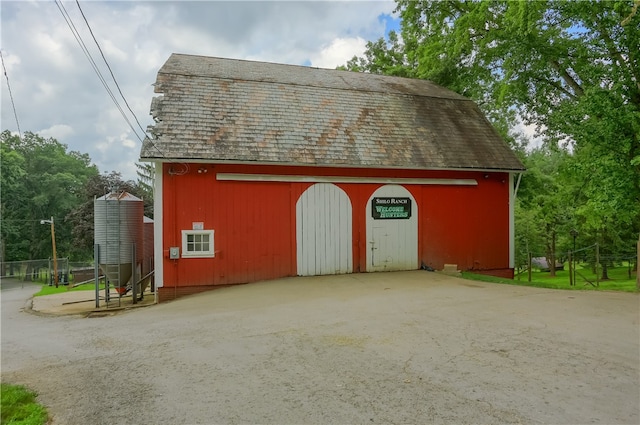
[[512, 226], [515, 192]]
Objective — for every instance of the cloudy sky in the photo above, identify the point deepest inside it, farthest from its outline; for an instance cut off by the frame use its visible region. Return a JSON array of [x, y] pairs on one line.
[[58, 94]]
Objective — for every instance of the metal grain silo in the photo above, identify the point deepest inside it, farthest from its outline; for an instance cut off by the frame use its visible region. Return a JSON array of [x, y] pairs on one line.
[[118, 224]]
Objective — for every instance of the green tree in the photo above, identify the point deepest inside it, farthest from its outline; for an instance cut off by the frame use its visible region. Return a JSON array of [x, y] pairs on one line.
[[569, 68], [40, 179], [544, 204], [12, 201], [383, 57], [146, 175], [529, 238], [99, 185]]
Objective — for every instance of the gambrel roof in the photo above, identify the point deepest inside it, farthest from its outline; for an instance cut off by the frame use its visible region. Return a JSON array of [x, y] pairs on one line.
[[227, 110]]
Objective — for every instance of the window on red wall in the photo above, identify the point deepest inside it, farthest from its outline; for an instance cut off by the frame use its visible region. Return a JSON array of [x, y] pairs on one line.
[[197, 243]]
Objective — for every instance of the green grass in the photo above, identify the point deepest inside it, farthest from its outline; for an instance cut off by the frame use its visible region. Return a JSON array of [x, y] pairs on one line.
[[19, 406], [619, 280], [48, 290]]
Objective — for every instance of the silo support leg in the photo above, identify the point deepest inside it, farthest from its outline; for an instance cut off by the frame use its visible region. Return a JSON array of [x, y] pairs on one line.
[[96, 270], [134, 277]]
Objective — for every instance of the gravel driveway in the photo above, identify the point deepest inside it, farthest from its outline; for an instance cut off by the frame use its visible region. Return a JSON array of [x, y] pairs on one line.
[[406, 347]]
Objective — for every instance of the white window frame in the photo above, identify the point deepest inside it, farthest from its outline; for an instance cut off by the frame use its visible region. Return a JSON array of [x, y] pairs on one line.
[[197, 254]]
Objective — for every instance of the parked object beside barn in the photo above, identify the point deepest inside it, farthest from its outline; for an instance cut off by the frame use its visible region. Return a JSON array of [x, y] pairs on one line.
[[266, 170], [542, 264]]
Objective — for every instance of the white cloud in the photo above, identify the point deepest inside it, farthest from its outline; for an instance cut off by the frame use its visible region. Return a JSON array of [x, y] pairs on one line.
[[530, 133], [338, 52], [127, 142], [46, 90], [11, 61], [58, 132], [53, 82], [52, 49], [113, 52]]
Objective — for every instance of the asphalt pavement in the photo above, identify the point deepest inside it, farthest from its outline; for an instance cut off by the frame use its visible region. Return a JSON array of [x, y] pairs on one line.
[[406, 347]]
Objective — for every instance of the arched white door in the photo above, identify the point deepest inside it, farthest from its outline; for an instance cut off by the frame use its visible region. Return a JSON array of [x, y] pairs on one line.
[[323, 231], [392, 230]]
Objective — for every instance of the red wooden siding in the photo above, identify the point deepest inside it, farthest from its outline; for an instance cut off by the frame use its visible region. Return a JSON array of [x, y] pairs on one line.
[[466, 225], [255, 229]]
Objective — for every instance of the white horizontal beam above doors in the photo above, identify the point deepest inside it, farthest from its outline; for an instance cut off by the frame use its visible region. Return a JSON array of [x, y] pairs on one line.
[[342, 179]]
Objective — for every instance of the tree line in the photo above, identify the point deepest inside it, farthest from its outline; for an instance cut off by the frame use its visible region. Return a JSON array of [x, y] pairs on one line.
[[41, 178], [570, 69]]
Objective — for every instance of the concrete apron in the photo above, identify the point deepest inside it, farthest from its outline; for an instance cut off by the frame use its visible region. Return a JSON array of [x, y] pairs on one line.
[[84, 303]]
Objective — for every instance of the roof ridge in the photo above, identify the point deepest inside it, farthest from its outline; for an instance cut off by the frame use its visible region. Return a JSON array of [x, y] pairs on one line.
[[364, 90], [367, 82]]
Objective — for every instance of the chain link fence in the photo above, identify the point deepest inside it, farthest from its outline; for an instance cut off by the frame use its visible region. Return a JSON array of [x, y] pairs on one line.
[[41, 271], [584, 266]]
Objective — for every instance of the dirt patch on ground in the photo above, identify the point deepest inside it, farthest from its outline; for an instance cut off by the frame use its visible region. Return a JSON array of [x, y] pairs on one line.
[[409, 347]]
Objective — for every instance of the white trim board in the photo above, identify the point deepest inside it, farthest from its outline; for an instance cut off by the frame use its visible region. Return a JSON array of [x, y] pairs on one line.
[[512, 221], [333, 166], [158, 242], [340, 179]]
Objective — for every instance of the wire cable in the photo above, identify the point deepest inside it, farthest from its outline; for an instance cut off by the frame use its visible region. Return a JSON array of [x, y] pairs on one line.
[[144, 132], [109, 67], [85, 50], [96, 69], [116, 82], [13, 105]]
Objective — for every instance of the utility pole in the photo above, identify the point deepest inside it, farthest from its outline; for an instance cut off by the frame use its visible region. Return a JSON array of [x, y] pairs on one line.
[[53, 244]]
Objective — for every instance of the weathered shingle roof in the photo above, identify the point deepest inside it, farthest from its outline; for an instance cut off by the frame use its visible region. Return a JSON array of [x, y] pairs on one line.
[[242, 111]]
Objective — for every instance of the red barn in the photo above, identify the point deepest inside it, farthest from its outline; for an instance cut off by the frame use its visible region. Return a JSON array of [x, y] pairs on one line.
[[266, 170]]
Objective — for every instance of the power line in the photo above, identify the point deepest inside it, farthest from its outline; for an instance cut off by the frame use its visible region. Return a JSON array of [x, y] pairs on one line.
[[85, 50], [109, 67], [15, 114]]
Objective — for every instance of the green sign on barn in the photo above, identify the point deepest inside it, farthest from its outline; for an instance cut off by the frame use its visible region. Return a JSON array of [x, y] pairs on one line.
[[390, 208]]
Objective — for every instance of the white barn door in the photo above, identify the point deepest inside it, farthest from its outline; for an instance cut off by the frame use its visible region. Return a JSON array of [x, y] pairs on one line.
[[392, 230], [323, 231]]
